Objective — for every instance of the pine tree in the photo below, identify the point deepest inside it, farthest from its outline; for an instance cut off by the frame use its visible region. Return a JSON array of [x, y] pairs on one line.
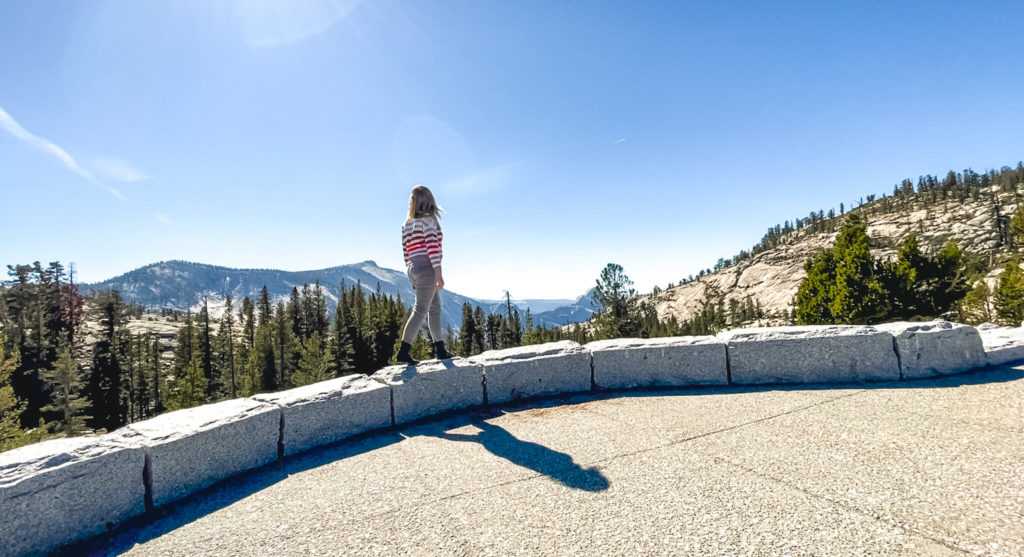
[[619, 316], [944, 281], [530, 333], [66, 382], [900, 278], [1009, 296], [976, 307], [494, 325], [29, 336], [204, 347], [295, 311], [858, 297], [141, 382], [250, 382], [286, 344], [814, 296], [515, 328], [421, 349], [451, 338], [225, 350], [191, 386], [264, 308], [467, 333], [185, 349], [105, 386], [480, 332], [128, 375], [11, 406], [156, 368], [264, 348], [247, 385], [921, 286], [248, 320], [314, 363], [340, 347], [320, 321]]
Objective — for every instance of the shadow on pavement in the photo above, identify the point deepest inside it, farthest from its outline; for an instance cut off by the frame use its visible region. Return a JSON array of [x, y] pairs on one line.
[[553, 464], [558, 466]]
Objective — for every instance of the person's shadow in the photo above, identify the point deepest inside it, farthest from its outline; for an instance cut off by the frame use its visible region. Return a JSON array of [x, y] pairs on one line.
[[553, 464]]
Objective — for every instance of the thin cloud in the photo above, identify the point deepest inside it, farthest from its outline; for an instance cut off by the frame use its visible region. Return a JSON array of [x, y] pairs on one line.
[[484, 181], [117, 169], [14, 128], [162, 218], [619, 140]]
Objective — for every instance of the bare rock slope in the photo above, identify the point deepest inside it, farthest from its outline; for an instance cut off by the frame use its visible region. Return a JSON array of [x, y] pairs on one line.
[[772, 277]]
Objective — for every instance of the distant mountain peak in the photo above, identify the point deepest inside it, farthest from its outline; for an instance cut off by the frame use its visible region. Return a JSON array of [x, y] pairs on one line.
[[184, 285]]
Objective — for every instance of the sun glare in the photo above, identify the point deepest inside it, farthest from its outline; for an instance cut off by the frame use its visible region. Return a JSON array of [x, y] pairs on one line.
[[277, 22]]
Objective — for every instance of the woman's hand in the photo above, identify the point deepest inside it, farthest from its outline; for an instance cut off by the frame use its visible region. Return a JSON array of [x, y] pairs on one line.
[[438, 279]]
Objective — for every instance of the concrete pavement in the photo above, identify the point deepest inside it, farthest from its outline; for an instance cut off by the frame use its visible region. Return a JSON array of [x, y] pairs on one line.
[[928, 467]]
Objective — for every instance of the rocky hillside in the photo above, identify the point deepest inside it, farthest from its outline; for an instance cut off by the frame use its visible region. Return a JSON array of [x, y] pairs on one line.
[[978, 224]]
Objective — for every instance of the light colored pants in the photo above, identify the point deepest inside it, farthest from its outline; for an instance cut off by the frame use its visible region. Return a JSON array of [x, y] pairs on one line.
[[427, 305]]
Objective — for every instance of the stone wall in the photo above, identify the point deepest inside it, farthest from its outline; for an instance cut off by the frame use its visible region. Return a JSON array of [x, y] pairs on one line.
[[56, 492]]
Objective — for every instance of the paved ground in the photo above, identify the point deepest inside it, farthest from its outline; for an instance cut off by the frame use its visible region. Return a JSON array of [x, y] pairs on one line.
[[932, 467]]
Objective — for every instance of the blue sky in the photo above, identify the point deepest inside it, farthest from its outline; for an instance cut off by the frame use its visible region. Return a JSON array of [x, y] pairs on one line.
[[560, 136]]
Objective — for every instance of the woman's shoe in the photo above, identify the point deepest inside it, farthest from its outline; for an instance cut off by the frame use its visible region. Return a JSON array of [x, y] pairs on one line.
[[439, 351], [403, 356]]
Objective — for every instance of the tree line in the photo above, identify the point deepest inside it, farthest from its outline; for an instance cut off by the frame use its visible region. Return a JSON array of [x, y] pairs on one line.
[[847, 284], [58, 378], [71, 363], [927, 191]]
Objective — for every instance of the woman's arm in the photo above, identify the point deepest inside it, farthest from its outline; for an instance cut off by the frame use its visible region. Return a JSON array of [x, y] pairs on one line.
[[433, 237]]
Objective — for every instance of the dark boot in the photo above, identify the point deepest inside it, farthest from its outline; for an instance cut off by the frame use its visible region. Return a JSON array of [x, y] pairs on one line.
[[403, 356], [439, 351]]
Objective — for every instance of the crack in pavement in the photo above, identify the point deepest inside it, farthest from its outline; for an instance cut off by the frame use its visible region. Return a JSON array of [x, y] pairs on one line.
[[594, 464], [841, 504]]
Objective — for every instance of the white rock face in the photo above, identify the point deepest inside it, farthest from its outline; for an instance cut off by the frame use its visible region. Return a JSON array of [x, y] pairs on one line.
[[1002, 344], [772, 277], [433, 387], [58, 491], [625, 362], [193, 448], [527, 371], [330, 411], [936, 348], [811, 354]]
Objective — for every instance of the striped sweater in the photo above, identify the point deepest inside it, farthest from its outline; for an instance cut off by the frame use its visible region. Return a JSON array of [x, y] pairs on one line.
[[421, 241]]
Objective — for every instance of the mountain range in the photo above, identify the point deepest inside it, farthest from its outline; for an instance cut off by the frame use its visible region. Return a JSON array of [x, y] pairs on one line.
[[183, 285]]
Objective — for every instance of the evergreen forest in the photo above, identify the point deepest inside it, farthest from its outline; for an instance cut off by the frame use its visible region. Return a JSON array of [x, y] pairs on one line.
[[72, 364]]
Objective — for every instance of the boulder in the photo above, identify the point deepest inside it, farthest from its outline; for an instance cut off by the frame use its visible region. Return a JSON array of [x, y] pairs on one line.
[[810, 354], [936, 348], [634, 362], [433, 387], [55, 492], [1003, 345], [190, 449], [536, 370], [330, 411]]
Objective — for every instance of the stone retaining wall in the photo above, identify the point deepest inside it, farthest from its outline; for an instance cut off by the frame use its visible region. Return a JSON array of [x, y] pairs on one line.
[[813, 354], [935, 348], [56, 492]]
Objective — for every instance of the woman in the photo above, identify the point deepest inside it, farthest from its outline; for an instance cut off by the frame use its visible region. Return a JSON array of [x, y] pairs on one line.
[[421, 242]]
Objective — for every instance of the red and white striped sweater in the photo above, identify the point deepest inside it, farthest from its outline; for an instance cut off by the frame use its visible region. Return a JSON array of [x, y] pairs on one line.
[[421, 240]]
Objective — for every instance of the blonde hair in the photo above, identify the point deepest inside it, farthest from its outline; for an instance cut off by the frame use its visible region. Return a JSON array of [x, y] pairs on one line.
[[422, 204]]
